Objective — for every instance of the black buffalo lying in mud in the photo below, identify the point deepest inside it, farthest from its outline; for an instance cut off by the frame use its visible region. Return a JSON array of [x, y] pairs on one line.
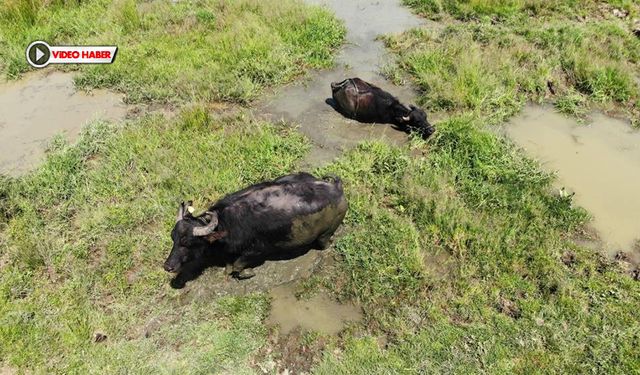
[[365, 102], [263, 221]]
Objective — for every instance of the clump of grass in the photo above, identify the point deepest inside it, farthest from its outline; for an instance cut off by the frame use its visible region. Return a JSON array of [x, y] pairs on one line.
[[176, 52], [23, 11], [82, 237], [603, 84], [573, 104], [456, 73], [491, 70], [457, 258]]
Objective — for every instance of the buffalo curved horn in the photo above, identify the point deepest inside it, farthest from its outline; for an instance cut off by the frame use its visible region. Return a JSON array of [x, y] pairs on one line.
[[180, 214], [408, 112], [206, 230]]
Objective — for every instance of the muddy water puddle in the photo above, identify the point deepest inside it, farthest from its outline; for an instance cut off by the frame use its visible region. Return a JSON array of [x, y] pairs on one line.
[[280, 279], [319, 313], [365, 21], [599, 161], [41, 105], [363, 56]]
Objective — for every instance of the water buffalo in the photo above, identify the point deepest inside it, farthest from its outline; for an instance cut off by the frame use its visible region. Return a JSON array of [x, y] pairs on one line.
[[293, 212], [365, 102]]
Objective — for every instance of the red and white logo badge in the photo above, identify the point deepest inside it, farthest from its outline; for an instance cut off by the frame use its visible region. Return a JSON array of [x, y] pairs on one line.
[[40, 54]]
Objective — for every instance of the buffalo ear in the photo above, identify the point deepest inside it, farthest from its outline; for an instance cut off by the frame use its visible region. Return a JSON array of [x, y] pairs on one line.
[[413, 107], [213, 237]]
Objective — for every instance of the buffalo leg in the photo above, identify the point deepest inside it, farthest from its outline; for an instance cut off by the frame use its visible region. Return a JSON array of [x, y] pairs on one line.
[[246, 273], [239, 268]]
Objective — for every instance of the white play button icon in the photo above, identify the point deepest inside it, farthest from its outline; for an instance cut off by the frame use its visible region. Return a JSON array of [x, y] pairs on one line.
[[38, 54]]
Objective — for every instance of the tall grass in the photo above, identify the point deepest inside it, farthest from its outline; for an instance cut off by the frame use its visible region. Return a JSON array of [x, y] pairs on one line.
[[492, 70], [176, 52]]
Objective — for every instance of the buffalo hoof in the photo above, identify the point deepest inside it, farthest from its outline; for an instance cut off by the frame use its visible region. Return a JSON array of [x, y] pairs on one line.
[[228, 269], [246, 273]]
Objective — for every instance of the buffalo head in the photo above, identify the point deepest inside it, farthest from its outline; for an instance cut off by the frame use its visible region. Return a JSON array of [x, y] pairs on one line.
[[191, 236], [416, 120]]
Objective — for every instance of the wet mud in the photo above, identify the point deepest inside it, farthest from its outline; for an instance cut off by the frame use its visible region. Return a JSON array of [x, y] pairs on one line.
[[306, 104], [320, 313], [598, 160], [42, 105], [213, 282], [280, 279]]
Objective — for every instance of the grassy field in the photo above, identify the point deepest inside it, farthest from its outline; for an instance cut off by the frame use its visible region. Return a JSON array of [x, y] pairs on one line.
[[465, 262], [82, 238], [462, 256], [465, 259], [206, 50]]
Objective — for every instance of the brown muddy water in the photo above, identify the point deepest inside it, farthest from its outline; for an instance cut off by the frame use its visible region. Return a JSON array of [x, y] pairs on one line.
[[319, 313], [41, 105], [598, 160], [363, 56]]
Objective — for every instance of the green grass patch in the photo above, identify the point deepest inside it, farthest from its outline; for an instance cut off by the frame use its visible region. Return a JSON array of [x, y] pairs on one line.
[[174, 52], [509, 9], [85, 234], [491, 70], [457, 258]]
